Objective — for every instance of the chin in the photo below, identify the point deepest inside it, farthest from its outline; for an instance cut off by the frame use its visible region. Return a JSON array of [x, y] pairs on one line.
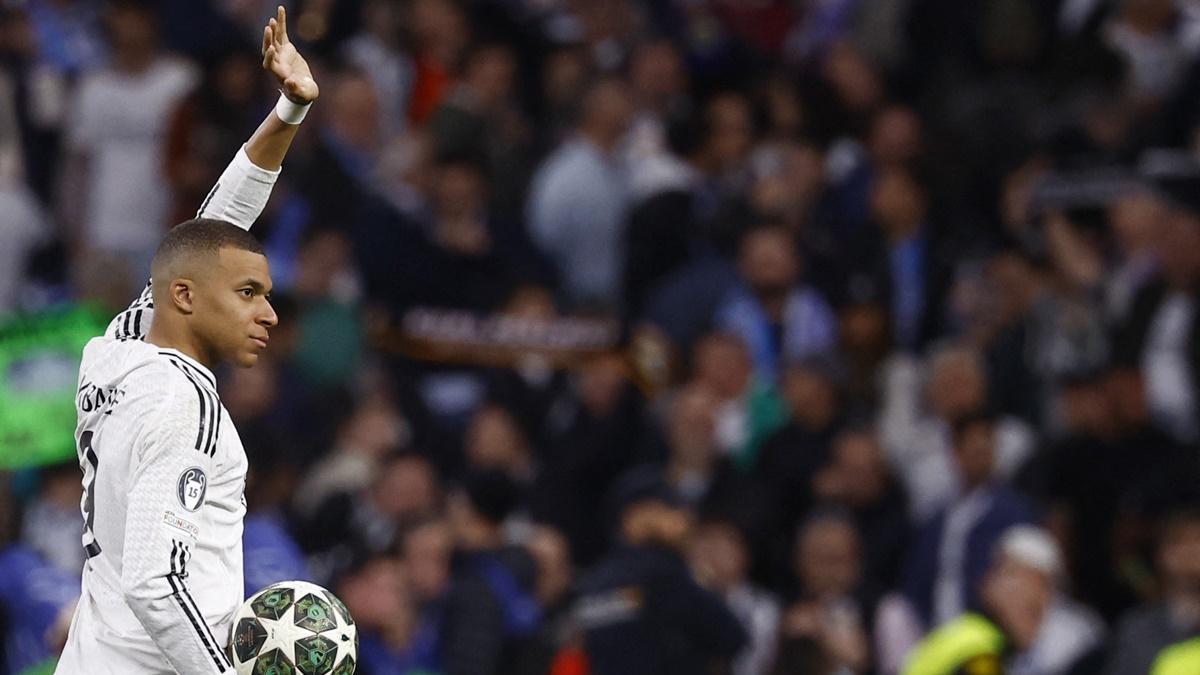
[[246, 360]]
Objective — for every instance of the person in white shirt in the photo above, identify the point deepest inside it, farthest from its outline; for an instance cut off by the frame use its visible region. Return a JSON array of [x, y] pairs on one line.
[[115, 129], [163, 468]]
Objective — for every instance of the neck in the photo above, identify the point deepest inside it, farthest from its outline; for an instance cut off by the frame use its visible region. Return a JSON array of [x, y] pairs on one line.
[[162, 334]]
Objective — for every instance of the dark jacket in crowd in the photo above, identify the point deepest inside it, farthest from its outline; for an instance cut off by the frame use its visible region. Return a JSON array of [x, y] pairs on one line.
[[642, 613], [489, 618]]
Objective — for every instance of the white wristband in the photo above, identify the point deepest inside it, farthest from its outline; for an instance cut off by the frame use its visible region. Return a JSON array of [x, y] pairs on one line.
[[289, 111]]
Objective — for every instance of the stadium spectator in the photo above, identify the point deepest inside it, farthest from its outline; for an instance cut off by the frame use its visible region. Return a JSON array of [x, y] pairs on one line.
[[828, 624], [577, 203], [720, 559], [777, 317], [639, 609], [952, 551], [917, 418], [390, 640], [858, 479], [848, 225], [1145, 631], [115, 138], [491, 614], [748, 409]]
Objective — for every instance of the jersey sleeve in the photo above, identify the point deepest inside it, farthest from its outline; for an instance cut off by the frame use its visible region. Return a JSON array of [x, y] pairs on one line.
[[241, 192], [164, 521], [239, 197]]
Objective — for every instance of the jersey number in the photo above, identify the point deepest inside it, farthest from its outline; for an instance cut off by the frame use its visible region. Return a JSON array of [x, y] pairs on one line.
[[90, 463]]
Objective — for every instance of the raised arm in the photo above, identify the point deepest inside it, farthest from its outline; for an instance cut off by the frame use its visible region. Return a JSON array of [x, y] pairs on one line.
[[267, 147], [242, 191]]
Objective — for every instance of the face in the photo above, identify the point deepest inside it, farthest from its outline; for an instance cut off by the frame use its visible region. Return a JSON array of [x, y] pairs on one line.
[[895, 136], [657, 72], [1179, 241], [827, 559], [719, 547], [723, 365], [231, 310], [492, 74], [974, 453], [768, 262], [460, 191], [897, 203], [810, 396], [131, 29], [613, 109], [956, 385], [355, 112], [494, 441], [1179, 558], [692, 428], [375, 594], [732, 130], [601, 384], [236, 79], [858, 458], [1017, 595], [407, 488]]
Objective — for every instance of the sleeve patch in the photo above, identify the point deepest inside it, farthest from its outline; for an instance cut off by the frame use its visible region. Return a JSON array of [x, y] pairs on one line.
[[191, 488], [170, 519]]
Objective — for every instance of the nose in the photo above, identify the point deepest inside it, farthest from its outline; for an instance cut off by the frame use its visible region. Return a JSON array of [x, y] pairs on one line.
[[269, 318]]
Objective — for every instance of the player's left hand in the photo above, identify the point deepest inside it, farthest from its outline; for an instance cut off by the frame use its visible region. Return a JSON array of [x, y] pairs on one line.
[[281, 58]]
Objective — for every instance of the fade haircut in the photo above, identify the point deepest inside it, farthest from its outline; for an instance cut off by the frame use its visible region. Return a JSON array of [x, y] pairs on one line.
[[201, 237]]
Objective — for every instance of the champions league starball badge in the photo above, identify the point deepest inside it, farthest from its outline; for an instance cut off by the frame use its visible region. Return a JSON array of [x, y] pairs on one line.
[[191, 488]]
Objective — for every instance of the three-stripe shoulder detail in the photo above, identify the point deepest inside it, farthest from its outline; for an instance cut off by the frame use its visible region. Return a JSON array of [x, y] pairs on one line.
[[209, 429], [131, 318]]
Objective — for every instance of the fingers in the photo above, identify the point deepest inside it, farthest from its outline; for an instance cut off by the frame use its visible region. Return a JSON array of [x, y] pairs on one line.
[[267, 39], [281, 21], [269, 57]]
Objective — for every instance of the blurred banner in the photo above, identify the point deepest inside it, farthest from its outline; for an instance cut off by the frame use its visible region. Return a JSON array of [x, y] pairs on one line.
[[39, 367], [508, 340]]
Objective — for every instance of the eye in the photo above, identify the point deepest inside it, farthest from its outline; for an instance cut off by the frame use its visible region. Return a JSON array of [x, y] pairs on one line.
[[247, 292]]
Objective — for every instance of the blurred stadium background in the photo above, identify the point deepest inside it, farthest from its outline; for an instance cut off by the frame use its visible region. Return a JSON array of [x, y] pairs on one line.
[[898, 298]]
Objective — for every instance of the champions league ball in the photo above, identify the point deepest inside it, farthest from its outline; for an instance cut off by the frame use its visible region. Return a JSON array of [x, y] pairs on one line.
[[293, 628]]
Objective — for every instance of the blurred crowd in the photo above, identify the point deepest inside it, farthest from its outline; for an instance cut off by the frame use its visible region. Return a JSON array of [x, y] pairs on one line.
[[925, 276]]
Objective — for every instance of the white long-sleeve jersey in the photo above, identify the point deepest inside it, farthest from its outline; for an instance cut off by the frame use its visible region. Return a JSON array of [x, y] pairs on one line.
[[164, 478]]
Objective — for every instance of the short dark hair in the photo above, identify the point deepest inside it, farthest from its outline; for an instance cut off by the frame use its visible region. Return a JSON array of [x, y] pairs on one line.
[[203, 236]]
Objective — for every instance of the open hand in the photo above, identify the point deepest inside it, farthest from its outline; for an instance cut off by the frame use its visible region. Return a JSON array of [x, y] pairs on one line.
[[285, 63]]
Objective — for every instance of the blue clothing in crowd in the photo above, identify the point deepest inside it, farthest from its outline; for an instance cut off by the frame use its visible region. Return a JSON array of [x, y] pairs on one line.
[[32, 593]]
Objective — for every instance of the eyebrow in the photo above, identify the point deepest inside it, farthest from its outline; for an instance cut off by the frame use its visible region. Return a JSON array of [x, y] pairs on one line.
[[254, 284]]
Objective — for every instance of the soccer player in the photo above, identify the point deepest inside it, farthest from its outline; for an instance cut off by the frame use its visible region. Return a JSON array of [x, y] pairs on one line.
[[163, 468]]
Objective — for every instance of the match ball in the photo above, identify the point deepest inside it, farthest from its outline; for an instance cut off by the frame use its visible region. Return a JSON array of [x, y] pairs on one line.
[[293, 628]]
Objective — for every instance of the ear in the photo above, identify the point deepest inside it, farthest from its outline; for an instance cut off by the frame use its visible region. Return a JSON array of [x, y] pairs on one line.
[[183, 294]]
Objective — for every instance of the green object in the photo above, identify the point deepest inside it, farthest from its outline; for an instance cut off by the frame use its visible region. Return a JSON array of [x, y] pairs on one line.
[[969, 644], [44, 668], [766, 413], [39, 369], [1178, 659]]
